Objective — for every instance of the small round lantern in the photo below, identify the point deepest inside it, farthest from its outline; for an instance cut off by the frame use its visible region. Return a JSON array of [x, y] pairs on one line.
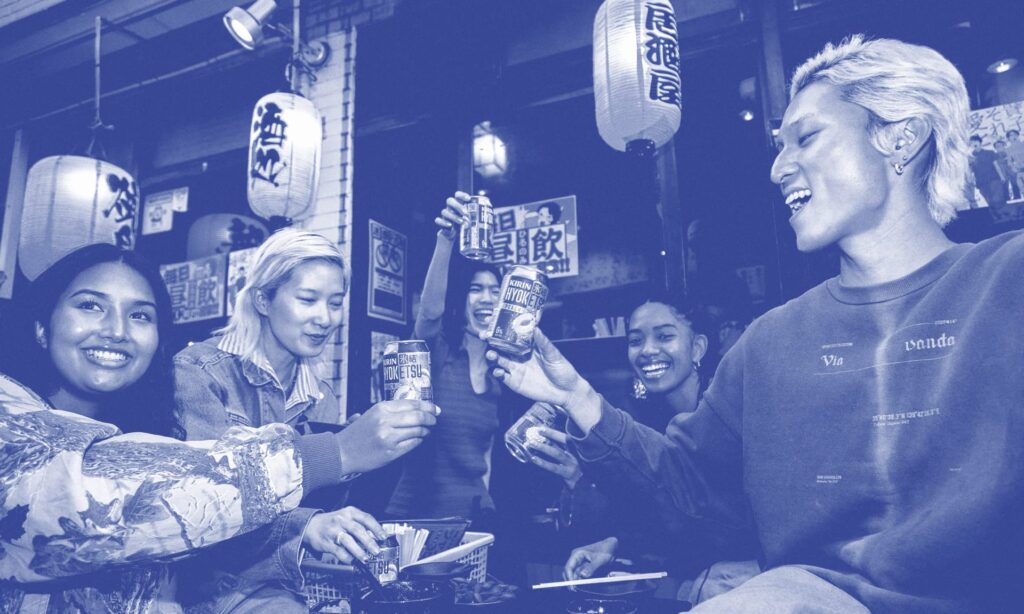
[[71, 202], [637, 82], [284, 156], [220, 233]]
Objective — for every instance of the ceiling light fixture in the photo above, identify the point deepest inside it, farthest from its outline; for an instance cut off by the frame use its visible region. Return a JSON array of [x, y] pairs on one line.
[[1000, 66]]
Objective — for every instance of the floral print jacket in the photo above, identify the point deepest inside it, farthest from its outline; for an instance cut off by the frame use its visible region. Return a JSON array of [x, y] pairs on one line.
[[79, 500]]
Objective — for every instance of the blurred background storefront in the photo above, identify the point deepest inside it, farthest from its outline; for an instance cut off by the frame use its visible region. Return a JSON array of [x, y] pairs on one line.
[[423, 97]]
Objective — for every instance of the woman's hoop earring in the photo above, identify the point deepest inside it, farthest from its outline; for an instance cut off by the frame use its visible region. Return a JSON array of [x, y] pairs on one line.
[[639, 389], [899, 168]]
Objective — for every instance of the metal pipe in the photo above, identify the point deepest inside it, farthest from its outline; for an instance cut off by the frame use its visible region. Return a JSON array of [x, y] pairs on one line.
[[268, 45], [97, 55], [296, 46]]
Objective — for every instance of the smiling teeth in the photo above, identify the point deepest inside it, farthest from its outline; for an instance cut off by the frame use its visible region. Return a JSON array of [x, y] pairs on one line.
[[108, 355], [800, 194], [655, 369], [797, 199]]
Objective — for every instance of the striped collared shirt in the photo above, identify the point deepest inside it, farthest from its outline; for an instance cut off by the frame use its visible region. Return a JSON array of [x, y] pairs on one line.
[[307, 384]]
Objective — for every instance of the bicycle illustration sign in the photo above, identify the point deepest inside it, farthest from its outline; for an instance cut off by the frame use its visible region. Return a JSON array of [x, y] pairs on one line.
[[386, 295]]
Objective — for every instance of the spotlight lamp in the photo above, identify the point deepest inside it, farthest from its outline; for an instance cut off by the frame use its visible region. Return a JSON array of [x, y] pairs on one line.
[[247, 25]]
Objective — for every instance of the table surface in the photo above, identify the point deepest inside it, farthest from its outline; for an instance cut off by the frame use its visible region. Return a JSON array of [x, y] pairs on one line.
[[554, 601]]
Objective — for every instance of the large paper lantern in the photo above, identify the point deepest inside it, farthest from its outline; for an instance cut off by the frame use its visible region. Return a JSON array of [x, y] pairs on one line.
[[220, 233], [71, 202], [284, 156], [637, 83]]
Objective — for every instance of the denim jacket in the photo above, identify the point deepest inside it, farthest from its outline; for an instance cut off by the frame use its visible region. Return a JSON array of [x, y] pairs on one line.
[[215, 389]]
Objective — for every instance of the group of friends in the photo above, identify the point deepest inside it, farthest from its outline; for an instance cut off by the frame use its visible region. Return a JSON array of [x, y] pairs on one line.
[[862, 441]]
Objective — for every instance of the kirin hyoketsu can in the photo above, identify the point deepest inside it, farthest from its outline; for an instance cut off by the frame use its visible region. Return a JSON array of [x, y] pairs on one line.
[[406, 367], [384, 564], [524, 290], [475, 235]]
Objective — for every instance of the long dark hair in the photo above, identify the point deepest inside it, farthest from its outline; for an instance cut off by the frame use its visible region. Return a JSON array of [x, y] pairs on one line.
[[460, 275], [147, 405]]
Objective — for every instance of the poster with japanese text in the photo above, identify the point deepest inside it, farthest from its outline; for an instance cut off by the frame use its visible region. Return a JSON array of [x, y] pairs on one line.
[[997, 161], [238, 272], [541, 234], [386, 293], [196, 288]]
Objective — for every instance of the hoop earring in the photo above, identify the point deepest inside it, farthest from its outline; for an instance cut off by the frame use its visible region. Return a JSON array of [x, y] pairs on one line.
[[639, 389], [696, 365], [898, 168]]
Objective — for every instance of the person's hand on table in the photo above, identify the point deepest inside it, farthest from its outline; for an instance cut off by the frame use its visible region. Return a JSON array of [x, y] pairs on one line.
[[347, 533], [586, 560]]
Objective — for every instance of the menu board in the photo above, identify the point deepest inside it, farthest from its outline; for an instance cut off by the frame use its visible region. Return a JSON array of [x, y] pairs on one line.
[[196, 288], [541, 234]]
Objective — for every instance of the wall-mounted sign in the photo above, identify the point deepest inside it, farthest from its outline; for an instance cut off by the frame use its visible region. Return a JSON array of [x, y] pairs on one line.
[[542, 234], [238, 273], [196, 288], [386, 293], [997, 161], [157, 217]]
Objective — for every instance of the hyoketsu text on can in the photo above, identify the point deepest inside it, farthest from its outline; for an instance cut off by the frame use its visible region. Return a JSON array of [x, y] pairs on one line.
[[526, 430], [475, 235], [384, 564], [406, 367], [524, 290]]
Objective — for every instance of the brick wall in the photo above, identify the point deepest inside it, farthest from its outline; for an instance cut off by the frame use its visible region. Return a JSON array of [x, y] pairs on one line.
[[333, 93], [322, 16], [13, 10]]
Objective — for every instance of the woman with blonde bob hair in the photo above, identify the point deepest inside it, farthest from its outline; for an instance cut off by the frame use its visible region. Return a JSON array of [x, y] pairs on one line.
[[262, 368], [871, 427]]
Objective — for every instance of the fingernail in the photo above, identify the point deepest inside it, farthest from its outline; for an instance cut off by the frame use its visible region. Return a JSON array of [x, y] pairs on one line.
[[437, 410]]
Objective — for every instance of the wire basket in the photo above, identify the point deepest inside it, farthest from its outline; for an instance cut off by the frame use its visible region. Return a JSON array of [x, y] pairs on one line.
[[331, 586], [472, 551]]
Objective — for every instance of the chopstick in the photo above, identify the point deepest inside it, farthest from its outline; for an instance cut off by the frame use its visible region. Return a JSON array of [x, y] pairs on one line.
[[627, 578]]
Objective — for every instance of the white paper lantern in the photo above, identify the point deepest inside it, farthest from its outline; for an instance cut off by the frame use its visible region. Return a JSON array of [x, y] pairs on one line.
[[284, 156], [220, 233], [71, 202], [637, 83]]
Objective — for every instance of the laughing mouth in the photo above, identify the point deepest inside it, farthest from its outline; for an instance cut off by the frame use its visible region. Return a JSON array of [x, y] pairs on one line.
[[107, 356], [483, 315], [655, 370], [797, 200]]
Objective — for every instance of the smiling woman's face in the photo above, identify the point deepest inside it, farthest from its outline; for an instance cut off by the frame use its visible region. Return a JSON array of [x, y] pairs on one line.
[[661, 347], [305, 310], [103, 332]]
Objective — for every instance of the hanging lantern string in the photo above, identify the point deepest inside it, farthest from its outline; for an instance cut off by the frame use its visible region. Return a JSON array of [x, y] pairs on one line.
[[95, 148], [298, 64]]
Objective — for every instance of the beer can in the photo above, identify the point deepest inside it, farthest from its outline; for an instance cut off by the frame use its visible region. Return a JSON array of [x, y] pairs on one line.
[[475, 235], [524, 290], [526, 430], [406, 367], [384, 564]]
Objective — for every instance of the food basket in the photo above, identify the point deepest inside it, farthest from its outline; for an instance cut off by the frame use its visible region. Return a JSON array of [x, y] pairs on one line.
[[330, 586]]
